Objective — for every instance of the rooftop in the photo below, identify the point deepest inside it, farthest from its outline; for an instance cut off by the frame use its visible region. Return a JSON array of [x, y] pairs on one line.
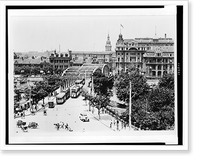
[[87, 67], [37, 60], [92, 52], [162, 49]]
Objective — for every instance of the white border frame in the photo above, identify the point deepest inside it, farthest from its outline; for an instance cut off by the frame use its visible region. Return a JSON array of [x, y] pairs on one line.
[[107, 147]]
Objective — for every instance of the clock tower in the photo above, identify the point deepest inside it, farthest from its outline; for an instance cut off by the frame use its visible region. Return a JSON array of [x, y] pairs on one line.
[[108, 45]]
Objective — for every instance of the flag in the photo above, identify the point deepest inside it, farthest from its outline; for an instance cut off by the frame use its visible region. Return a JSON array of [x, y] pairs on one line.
[[121, 25]]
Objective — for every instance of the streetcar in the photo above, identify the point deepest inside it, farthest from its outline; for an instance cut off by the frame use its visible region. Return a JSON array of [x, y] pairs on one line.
[[61, 98], [80, 83], [75, 91], [67, 93]]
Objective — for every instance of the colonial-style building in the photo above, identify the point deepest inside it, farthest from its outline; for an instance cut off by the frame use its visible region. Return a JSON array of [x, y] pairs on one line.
[[60, 60], [158, 61], [95, 57], [153, 56], [128, 53]]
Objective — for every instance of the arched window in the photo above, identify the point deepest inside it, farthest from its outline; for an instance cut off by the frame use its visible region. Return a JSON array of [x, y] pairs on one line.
[[133, 48]]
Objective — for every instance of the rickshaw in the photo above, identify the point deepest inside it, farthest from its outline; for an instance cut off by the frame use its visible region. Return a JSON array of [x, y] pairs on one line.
[[33, 125], [20, 123]]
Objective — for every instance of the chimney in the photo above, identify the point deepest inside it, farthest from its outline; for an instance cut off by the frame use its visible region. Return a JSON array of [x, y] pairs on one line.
[[165, 36]]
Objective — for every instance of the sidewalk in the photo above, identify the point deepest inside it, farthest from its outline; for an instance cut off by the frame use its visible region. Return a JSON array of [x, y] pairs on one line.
[[108, 120]]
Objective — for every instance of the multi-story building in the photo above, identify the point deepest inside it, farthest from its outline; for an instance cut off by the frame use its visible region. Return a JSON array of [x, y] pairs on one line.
[[153, 56], [128, 53], [60, 60], [95, 57], [158, 61]]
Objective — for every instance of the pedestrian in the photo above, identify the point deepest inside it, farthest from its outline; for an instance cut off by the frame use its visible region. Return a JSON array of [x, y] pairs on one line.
[[23, 114], [45, 112], [117, 124], [57, 126], [114, 123], [35, 107], [66, 126], [124, 125], [111, 124]]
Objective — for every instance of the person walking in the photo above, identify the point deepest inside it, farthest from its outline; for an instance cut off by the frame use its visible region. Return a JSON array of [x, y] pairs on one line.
[[117, 124], [111, 124], [45, 112]]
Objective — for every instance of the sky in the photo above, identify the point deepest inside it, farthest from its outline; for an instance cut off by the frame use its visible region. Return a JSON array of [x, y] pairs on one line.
[[84, 31]]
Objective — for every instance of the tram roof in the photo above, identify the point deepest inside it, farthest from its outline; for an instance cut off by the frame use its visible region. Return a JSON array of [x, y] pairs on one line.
[[60, 95]]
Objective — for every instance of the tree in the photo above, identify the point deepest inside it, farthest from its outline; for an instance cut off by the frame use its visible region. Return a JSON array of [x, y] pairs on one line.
[[151, 109], [99, 102], [102, 84], [161, 97], [42, 94], [85, 94], [167, 81], [138, 83]]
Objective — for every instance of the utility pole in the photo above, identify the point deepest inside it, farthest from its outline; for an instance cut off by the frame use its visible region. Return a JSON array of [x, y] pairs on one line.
[[130, 88], [30, 87]]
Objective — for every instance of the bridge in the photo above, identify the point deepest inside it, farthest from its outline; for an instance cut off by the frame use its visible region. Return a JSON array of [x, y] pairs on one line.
[[71, 74]]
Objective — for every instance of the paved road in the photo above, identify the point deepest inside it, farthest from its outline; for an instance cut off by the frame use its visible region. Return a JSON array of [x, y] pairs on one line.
[[68, 113]]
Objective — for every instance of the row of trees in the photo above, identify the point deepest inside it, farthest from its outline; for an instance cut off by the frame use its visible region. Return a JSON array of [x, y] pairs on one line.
[[102, 91], [152, 107]]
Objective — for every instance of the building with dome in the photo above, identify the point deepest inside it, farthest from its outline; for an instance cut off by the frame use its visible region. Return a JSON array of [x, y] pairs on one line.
[[153, 56]]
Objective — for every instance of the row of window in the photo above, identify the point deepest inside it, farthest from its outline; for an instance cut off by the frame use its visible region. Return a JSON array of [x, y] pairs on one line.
[[159, 67], [59, 61], [61, 55], [138, 48], [61, 66], [160, 61], [131, 59], [132, 54], [159, 73]]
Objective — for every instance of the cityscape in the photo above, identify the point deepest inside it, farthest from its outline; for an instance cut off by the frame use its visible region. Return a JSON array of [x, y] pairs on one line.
[[127, 86]]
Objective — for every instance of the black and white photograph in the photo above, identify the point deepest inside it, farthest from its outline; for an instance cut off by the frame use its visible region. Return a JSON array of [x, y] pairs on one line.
[[94, 75]]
